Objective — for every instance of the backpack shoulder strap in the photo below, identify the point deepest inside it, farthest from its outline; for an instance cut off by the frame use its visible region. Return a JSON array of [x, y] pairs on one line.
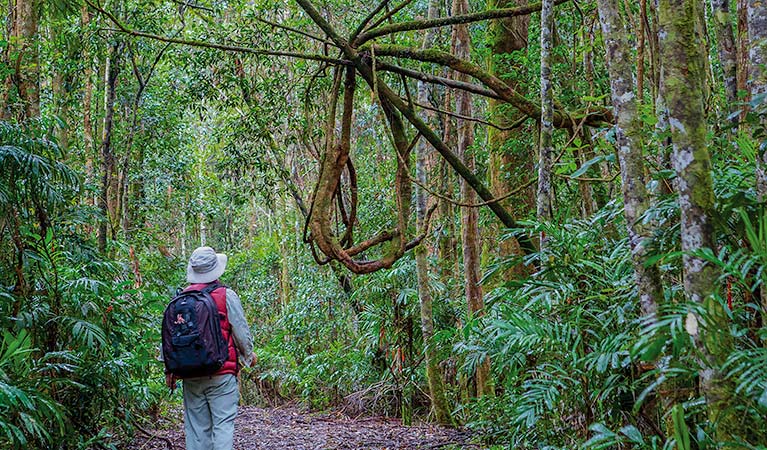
[[212, 287]]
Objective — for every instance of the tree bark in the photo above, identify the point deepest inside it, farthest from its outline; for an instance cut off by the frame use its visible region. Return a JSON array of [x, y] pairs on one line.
[[544, 204], [683, 87], [757, 36], [743, 65], [24, 58], [725, 42], [640, 49], [629, 140], [510, 165], [108, 163], [469, 216], [87, 101], [433, 374]]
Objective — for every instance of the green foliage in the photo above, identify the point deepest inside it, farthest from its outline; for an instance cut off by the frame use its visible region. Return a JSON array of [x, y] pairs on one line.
[[74, 365]]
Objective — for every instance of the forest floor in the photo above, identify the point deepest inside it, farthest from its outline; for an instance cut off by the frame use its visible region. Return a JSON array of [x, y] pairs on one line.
[[289, 427]]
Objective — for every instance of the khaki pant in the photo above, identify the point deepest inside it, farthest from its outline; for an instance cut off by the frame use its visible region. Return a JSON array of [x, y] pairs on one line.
[[210, 406]]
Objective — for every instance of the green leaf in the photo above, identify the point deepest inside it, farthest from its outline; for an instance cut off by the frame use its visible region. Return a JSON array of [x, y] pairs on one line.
[[631, 432], [585, 166], [681, 432]]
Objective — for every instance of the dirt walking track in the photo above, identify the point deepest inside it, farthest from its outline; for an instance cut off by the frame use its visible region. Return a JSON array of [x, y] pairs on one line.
[[290, 428]]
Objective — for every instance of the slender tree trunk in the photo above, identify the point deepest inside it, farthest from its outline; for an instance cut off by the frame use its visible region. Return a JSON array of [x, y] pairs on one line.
[[725, 42], [743, 64], [107, 155], [469, 216], [87, 101], [683, 89], [447, 244], [433, 374], [510, 165], [628, 136], [640, 49], [546, 149]]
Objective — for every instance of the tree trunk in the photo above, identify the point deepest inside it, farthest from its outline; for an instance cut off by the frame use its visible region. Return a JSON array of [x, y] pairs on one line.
[[447, 245], [469, 216], [628, 136], [683, 86], [757, 39], [510, 166], [433, 374], [87, 101], [725, 42], [24, 57], [743, 64], [108, 176], [640, 49], [757, 36], [546, 150]]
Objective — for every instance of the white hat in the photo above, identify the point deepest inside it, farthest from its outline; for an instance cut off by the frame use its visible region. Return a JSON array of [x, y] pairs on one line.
[[205, 265]]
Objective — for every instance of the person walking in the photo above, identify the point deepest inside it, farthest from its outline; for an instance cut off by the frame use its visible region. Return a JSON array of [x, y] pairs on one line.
[[210, 402]]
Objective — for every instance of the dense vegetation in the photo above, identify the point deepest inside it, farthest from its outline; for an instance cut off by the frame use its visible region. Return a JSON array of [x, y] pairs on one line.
[[547, 226]]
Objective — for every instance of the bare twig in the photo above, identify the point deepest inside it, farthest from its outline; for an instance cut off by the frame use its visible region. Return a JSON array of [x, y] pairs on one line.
[[391, 13], [295, 30], [447, 21], [517, 123]]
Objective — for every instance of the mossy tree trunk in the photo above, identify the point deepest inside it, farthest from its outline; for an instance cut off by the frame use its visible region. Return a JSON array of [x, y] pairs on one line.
[[725, 43], [108, 161], [683, 58], [546, 149], [628, 136], [24, 58], [433, 374], [757, 55]]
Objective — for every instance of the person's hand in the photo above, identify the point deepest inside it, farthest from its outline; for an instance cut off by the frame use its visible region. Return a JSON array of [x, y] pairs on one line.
[[253, 359], [170, 381]]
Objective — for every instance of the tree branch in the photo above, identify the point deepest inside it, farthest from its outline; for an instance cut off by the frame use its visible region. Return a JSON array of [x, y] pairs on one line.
[[294, 30], [367, 73], [562, 119], [447, 82], [230, 48], [447, 21]]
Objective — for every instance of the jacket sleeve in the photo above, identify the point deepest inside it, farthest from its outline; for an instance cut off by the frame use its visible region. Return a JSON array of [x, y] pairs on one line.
[[243, 340]]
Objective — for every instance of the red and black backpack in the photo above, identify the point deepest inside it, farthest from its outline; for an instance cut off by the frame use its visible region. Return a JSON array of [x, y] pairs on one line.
[[192, 342]]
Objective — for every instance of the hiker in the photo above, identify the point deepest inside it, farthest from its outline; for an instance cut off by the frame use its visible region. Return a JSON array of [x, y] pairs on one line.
[[210, 402]]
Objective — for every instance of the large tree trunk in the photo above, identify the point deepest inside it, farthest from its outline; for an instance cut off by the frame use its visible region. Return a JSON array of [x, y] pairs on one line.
[[683, 87], [725, 42], [24, 59], [511, 166], [757, 36], [629, 141], [433, 374], [546, 150], [469, 216]]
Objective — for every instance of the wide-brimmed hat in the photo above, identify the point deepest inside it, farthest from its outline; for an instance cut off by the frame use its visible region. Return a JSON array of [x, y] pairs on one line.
[[205, 265]]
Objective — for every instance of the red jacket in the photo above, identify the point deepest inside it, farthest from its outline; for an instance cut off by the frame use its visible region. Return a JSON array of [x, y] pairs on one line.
[[219, 296]]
